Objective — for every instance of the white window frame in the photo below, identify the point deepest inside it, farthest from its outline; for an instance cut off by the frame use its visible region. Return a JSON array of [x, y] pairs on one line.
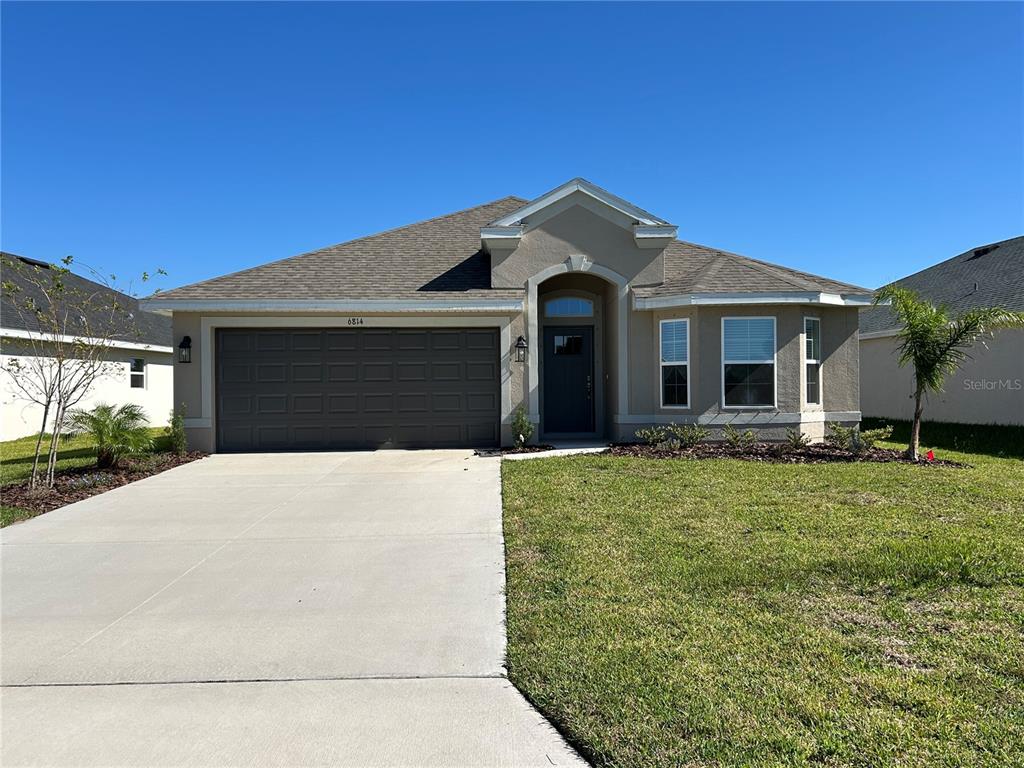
[[143, 373], [662, 364], [774, 363], [806, 360]]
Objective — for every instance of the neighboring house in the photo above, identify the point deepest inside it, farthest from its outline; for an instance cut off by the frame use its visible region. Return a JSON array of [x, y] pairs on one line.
[[578, 306], [141, 370], [988, 388]]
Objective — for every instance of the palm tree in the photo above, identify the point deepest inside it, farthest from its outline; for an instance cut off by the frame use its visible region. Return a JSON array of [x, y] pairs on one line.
[[117, 432], [937, 343]]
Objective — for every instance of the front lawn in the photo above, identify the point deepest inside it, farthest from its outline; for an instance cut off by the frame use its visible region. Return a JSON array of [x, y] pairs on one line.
[[74, 453], [725, 612]]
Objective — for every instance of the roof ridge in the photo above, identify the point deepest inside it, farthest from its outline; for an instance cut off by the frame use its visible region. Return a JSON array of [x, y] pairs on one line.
[[348, 242]]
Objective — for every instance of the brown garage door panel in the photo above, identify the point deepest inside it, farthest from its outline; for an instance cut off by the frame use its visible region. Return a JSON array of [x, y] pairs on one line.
[[308, 389]]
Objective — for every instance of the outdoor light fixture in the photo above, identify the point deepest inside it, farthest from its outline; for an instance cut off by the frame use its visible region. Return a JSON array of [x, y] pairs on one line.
[[185, 350], [520, 349]]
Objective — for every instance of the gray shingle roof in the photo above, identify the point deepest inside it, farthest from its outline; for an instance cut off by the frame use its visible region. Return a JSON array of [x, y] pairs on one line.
[[986, 276], [442, 258], [149, 327]]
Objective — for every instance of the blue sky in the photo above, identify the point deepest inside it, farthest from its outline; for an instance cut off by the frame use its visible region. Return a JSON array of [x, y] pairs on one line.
[[860, 141]]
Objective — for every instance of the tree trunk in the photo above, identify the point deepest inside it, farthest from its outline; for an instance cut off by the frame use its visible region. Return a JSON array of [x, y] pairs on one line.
[[915, 429], [51, 462], [34, 478]]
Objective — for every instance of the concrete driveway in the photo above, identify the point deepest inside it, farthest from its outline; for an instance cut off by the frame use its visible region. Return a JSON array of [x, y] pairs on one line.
[[289, 609]]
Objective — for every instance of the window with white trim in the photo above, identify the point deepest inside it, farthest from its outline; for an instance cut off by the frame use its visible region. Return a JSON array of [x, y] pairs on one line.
[[812, 361], [569, 306], [675, 363], [137, 373], [748, 362]]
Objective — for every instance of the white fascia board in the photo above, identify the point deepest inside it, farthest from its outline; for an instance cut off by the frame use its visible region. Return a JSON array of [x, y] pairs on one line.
[[879, 334], [653, 236], [501, 237], [781, 297], [509, 306], [584, 186], [17, 333]]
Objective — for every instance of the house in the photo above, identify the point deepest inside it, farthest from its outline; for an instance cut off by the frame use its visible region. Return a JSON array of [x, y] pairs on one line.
[[140, 357], [989, 387], [578, 306]]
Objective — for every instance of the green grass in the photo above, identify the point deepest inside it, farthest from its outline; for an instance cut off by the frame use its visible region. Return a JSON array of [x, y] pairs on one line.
[[76, 452], [721, 612]]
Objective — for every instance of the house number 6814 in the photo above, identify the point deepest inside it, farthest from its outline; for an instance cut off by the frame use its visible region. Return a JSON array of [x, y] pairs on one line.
[[355, 321]]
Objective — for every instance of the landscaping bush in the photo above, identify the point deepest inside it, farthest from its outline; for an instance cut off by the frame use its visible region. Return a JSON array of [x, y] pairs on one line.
[[117, 432], [651, 435], [688, 435], [522, 428], [175, 431], [796, 440], [736, 439], [855, 441]]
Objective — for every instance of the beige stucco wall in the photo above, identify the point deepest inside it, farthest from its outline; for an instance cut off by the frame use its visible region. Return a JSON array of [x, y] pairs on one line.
[[20, 417], [840, 378], [988, 389], [577, 231]]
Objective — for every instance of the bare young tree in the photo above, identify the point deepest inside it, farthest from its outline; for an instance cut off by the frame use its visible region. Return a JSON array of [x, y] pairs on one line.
[[71, 325]]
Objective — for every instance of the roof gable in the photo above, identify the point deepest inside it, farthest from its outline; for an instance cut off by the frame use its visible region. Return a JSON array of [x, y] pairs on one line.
[[649, 231]]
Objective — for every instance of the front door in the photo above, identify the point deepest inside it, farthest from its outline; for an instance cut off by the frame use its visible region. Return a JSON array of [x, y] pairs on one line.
[[568, 379]]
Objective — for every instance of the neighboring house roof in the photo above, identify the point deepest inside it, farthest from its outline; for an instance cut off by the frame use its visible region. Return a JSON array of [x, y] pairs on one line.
[[987, 276], [141, 327], [442, 259]]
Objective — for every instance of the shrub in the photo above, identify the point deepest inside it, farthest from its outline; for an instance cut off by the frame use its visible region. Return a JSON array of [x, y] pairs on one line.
[[736, 439], [522, 428], [853, 440], [688, 435], [118, 432], [796, 440], [651, 435], [175, 431]]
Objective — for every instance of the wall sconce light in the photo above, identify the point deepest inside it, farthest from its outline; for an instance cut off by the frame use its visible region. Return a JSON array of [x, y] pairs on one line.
[[520, 350], [185, 350]]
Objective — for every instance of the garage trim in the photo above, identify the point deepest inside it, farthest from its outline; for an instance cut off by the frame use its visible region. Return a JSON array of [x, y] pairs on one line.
[[210, 323]]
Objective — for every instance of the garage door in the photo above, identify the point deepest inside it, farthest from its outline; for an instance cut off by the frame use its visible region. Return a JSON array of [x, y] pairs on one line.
[[330, 388]]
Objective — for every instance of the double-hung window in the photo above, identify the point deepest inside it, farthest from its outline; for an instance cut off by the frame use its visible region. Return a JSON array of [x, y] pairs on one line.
[[675, 363], [812, 360], [137, 373], [748, 362]]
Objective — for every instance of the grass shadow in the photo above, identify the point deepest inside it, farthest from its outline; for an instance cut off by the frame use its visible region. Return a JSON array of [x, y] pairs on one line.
[[1003, 441]]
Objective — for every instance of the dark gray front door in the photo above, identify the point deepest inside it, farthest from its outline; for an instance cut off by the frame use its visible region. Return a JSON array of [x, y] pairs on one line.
[[568, 379], [337, 388]]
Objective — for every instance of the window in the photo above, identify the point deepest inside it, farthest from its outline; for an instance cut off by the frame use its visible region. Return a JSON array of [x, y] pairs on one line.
[[569, 306], [675, 363], [137, 373], [812, 363], [568, 345], [748, 362]]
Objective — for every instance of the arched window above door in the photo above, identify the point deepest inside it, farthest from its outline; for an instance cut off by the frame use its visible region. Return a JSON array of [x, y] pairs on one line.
[[569, 306]]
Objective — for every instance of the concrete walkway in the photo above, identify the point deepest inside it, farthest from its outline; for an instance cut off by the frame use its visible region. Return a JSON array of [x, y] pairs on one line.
[[295, 609]]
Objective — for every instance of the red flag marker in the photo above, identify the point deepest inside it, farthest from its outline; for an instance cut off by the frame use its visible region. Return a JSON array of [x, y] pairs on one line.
[[930, 455]]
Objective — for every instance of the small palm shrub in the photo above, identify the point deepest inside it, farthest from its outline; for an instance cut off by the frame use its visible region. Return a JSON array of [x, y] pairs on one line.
[[796, 440], [736, 439], [522, 428], [855, 441], [117, 432]]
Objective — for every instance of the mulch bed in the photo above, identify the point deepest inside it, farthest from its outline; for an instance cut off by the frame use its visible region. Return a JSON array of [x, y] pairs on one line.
[[82, 482], [774, 453], [508, 450]]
